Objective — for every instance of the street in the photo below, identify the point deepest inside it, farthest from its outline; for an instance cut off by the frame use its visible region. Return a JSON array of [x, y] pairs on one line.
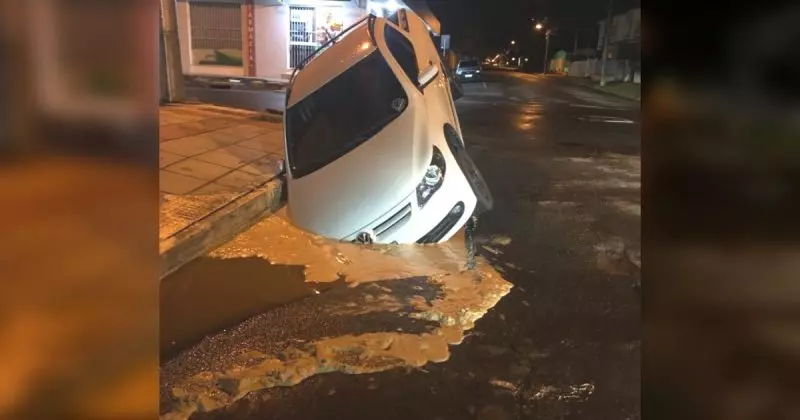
[[551, 330]]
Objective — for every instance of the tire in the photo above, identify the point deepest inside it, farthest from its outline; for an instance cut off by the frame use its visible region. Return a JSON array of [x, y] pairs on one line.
[[470, 170], [476, 182]]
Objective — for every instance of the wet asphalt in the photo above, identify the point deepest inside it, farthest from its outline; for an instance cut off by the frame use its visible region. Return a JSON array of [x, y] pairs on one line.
[[563, 164]]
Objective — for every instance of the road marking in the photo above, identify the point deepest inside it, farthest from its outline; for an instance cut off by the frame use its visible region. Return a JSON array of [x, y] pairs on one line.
[[485, 86], [606, 119], [591, 106]]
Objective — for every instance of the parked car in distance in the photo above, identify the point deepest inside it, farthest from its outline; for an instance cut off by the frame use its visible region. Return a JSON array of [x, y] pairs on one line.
[[469, 71], [374, 150]]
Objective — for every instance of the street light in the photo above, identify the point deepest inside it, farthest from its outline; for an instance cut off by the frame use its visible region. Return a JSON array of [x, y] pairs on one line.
[[513, 42], [547, 31]]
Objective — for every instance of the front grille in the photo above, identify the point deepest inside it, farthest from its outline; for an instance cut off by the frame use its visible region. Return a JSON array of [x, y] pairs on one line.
[[393, 223], [437, 233]]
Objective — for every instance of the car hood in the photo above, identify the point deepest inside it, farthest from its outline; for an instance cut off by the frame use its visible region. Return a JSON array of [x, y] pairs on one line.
[[351, 193]]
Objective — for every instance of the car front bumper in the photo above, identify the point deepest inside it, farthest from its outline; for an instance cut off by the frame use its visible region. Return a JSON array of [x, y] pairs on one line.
[[437, 221], [469, 77]]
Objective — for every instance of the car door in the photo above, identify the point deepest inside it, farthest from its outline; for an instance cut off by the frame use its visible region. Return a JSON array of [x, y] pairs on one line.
[[441, 96]]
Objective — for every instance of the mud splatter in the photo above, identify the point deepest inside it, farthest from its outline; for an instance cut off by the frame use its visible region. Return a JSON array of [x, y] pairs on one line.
[[463, 297]]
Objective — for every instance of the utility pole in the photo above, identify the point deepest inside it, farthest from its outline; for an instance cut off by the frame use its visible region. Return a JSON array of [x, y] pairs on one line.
[[546, 48], [544, 26], [173, 68], [575, 48], [606, 32]]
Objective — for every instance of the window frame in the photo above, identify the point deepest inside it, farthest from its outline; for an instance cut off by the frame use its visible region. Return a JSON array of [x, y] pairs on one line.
[[415, 78]]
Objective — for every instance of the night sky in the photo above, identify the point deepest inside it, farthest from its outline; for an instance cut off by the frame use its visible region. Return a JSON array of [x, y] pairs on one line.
[[485, 27]]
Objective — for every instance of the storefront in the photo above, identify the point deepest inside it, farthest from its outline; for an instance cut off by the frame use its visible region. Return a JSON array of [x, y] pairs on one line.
[[263, 38], [312, 23]]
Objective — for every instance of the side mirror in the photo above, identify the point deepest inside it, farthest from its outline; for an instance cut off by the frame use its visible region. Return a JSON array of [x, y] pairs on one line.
[[427, 76]]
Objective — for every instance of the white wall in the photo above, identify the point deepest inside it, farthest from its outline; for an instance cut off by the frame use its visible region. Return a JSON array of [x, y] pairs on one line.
[[184, 35], [616, 70], [272, 32], [272, 37]]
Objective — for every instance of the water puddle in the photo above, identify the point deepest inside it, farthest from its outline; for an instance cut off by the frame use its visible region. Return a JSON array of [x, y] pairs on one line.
[[402, 306], [210, 294]]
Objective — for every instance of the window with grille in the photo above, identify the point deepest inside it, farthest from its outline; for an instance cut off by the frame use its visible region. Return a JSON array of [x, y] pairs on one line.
[[216, 33], [302, 34]]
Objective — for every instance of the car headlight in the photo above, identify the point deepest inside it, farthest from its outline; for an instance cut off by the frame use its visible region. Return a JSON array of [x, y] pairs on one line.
[[433, 179], [477, 71], [459, 71]]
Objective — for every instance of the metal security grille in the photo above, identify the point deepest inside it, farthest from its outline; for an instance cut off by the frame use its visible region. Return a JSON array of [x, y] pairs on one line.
[[302, 34], [216, 26]]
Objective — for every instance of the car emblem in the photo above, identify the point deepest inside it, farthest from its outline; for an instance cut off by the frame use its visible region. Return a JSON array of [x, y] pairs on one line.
[[364, 238], [399, 104]]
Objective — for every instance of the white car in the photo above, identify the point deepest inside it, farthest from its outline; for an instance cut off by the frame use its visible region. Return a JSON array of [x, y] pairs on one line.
[[374, 152]]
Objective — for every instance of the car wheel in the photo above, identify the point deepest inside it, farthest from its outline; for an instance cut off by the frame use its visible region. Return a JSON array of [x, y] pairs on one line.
[[476, 181], [470, 170], [453, 140]]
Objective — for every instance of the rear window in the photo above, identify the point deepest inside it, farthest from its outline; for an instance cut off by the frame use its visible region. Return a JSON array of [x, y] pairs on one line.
[[342, 114], [469, 63]]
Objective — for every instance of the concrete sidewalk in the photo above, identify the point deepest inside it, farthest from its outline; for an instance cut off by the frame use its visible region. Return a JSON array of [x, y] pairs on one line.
[[219, 174], [626, 90]]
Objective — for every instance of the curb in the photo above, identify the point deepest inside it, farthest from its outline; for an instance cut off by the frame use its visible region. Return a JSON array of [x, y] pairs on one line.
[[220, 226], [269, 115], [596, 88]]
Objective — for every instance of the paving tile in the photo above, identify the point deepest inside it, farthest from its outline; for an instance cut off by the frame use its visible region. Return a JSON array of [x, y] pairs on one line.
[[267, 125], [198, 169], [229, 135], [179, 131], [167, 117], [172, 183], [231, 156], [201, 112], [250, 130], [190, 146], [217, 123], [268, 165], [271, 142], [167, 158], [213, 188], [174, 131], [242, 180]]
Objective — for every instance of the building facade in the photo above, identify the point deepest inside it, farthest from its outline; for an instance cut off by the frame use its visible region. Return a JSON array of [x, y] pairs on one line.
[[263, 38], [624, 38], [624, 44], [623, 62]]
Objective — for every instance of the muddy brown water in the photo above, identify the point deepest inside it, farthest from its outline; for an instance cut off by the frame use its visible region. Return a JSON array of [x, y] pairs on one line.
[[211, 294]]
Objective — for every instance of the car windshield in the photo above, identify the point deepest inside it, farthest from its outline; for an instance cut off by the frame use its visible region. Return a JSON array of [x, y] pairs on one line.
[[343, 114], [469, 63]]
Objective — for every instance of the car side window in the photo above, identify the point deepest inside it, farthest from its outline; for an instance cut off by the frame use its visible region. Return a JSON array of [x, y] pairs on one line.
[[403, 51]]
